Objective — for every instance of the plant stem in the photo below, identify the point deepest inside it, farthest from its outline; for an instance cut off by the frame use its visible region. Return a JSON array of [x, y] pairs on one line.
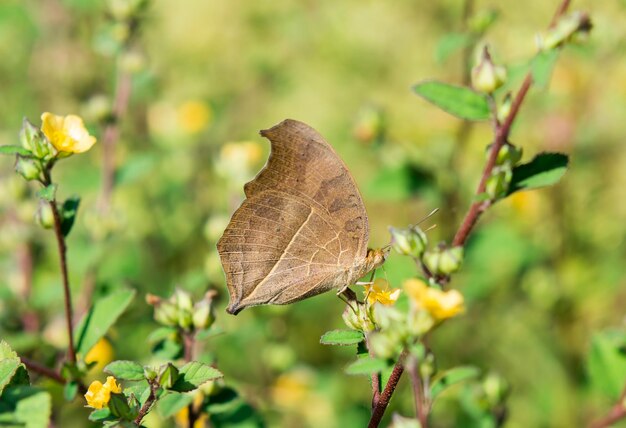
[[111, 136], [43, 370], [385, 396], [618, 411], [148, 404], [71, 351], [188, 345], [421, 407], [475, 211]]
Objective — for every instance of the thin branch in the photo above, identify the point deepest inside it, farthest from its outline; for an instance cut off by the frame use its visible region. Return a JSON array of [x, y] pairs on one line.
[[71, 351], [618, 411], [421, 407], [111, 136], [385, 396], [148, 404], [43, 370], [188, 346]]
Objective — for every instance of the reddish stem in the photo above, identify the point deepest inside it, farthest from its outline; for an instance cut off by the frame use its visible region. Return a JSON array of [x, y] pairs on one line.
[[43, 370], [385, 396], [618, 411]]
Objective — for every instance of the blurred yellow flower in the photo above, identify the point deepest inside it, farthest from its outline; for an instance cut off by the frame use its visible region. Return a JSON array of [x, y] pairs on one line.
[[380, 292], [182, 417], [194, 116], [440, 304], [98, 394], [67, 133], [101, 354]]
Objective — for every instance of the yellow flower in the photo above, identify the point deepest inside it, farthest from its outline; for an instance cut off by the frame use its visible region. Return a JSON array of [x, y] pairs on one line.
[[380, 292], [101, 354], [67, 133], [440, 304], [98, 394], [194, 116]]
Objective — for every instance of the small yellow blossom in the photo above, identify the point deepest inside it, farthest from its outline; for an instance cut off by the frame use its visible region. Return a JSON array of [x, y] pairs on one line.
[[67, 133], [101, 354], [380, 292], [440, 304], [194, 116], [98, 394]]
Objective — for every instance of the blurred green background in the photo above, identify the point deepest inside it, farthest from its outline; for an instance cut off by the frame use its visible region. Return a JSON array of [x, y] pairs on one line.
[[543, 272]]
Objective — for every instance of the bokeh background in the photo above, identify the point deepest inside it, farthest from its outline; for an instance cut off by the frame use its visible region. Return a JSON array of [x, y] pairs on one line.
[[543, 272]]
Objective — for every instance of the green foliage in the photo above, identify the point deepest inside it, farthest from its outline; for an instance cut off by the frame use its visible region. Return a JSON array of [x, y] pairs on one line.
[[542, 66], [546, 169], [48, 193], [457, 100], [342, 337], [451, 377], [366, 365], [606, 363], [126, 370], [68, 212], [194, 374], [14, 150], [173, 402], [100, 318]]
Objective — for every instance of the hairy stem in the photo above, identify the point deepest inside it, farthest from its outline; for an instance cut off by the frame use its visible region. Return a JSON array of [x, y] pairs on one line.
[[385, 396], [617, 412], [421, 407], [71, 351], [43, 370], [188, 345], [148, 404]]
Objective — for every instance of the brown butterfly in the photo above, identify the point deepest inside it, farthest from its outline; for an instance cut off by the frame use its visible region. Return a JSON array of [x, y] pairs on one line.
[[302, 229]]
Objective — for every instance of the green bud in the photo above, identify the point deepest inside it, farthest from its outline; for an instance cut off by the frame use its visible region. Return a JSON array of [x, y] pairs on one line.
[[28, 168], [149, 372], [427, 366], [44, 216], [183, 300], [451, 260], [496, 388], [409, 242], [505, 107], [203, 315], [384, 344], [486, 76], [431, 260], [508, 155], [34, 140], [357, 317], [566, 28], [419, 322], [168, 375], [498, 183], [482, 20], [165, 312]]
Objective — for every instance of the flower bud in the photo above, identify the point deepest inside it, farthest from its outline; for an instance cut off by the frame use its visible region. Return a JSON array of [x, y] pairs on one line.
[[33, 139], [498, 183], [183, 300], [384, 344], [28, 168], [486, 76], [508, 155], [165, 312], [419, 322], [496, 388], [168, 375], [150, 373], [567, 27], [203, 315], [44, 216], [357, 317], [451, 260], [409, 242], [505, 107]]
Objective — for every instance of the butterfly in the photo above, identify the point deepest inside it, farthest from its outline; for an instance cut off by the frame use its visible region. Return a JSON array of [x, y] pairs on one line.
[[302, 229]]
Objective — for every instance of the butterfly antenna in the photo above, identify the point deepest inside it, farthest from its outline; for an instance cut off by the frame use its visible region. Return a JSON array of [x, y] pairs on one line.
[[432, 213]]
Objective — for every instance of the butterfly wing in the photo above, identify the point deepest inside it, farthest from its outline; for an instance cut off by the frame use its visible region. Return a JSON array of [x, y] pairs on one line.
[[301, 225]]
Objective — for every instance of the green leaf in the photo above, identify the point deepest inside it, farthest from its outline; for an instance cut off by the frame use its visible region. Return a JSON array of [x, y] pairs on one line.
[[241, 416], [126, 370], [542, 65], [606, 363], [70, 390], [100, 318], [342, 337], [7, 352], [545, 169], [452, 377], [31, 406], [100, 415], [173, 402], [14, 150], [48, 193], [194, 374], [366, 366], [68, 214], [459, 101], [8, 367], [449, 44]]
